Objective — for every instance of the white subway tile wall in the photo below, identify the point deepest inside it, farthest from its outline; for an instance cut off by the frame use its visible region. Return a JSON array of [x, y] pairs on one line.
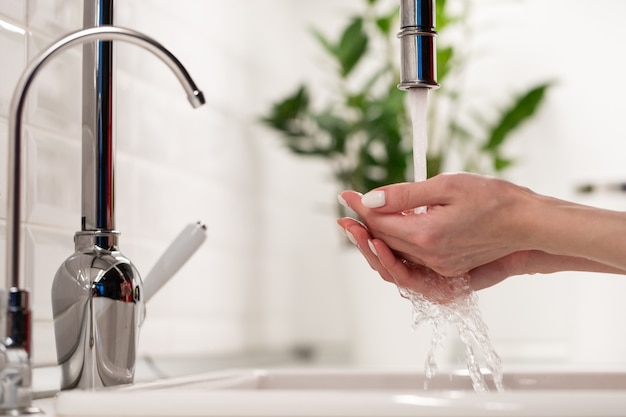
[[4, 150], [13, 45], [256, 282]]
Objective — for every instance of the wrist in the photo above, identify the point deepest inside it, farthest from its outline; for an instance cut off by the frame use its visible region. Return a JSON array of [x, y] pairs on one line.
[[569, 229], [527, 223]]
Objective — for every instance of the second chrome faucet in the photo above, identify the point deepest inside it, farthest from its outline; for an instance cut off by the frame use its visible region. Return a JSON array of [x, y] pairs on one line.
[[97, 294]]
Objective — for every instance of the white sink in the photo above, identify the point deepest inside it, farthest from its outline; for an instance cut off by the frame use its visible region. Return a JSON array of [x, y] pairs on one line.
[[354, 393]]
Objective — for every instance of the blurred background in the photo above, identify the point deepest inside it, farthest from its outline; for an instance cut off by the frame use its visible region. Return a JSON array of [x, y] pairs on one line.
[[275, 281]]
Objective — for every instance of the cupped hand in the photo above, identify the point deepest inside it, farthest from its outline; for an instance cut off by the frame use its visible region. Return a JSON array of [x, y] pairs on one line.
[[481, 228], [421, 279], [470, 220]]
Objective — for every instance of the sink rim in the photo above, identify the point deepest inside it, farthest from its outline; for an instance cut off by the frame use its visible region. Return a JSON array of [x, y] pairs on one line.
[[215, 396], [353, 379]]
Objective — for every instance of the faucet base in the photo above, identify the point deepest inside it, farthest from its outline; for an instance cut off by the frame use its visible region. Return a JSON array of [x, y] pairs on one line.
[[98, 307]]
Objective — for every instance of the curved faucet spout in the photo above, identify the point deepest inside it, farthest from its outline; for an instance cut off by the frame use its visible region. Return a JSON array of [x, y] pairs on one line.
[[105, 33]]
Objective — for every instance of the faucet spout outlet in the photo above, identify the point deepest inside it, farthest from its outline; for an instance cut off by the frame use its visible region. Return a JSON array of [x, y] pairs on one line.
[[418, 52]]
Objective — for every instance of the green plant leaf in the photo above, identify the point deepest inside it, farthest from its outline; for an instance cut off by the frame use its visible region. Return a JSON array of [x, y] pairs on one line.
[[441, 14], [356, 101], [444, 62], [359, 100], [522, 109], [459, 131], [284, 112], [500, 163], [386, 23], [352, 46], [434, 165], [301, 150], [337, 128]]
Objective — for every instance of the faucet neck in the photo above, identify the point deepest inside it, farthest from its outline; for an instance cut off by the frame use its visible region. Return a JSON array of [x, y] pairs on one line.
[[98, 145]]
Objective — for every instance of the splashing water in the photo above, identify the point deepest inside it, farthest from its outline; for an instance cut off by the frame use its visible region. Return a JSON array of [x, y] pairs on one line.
[[464, 313], [462, 310]]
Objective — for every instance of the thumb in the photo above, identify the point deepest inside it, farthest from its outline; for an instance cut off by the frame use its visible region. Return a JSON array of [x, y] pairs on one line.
[[396, 198]]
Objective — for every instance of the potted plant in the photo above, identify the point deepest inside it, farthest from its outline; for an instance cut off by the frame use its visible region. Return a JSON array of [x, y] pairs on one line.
[[364, 131]]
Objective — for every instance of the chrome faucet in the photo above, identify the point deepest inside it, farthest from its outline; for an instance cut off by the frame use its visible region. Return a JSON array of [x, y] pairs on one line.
[[418, 54], [97, 296], [98, 144]]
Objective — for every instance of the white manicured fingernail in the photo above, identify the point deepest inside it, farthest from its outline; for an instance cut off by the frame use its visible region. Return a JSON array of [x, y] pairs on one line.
[[351, 238], [342, 201], [372, 247], [373, 199]]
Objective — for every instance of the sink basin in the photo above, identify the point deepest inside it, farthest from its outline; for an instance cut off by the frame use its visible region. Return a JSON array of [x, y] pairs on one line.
[[353, 393]]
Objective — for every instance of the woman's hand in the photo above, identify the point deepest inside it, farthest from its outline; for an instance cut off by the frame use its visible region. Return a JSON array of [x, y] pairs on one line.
[[443, 289], [471, 220], [479, 227], [421, 279]]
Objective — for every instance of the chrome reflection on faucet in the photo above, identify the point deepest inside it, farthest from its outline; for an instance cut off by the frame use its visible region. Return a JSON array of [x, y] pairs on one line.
[[418, 53], [98, 306], [97, 295]]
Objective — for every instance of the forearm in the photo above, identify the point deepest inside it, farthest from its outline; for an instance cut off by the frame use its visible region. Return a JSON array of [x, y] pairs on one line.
[[539, 262], [587, 238], [530, 263]]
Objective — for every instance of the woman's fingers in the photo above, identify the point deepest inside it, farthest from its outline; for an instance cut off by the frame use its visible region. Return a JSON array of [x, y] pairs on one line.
[[390, 227], [357, 233], [396, 198], [396, 270]]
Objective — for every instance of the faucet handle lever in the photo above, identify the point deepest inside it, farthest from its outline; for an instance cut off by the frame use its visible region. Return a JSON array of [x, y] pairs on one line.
[[174, 257]]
